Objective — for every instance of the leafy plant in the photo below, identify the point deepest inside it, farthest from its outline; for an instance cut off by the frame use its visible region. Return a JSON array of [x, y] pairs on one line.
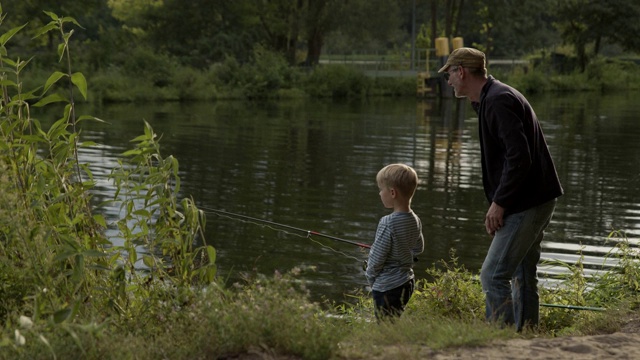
[[58, 267], [451, 291]]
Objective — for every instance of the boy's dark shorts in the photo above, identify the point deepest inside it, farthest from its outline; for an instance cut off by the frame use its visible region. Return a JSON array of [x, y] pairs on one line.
[[393, 302]]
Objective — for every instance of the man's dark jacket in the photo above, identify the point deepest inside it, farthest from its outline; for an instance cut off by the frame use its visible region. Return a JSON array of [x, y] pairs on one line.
[[517, 170]]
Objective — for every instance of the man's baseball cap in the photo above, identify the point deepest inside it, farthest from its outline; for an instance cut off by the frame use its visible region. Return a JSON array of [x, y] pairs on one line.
[[465, 57]]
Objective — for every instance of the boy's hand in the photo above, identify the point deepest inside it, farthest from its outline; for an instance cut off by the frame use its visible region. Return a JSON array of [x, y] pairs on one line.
[[364, 265]]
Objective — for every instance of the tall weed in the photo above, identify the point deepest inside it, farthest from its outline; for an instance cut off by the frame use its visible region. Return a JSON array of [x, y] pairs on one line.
[[59, 270]]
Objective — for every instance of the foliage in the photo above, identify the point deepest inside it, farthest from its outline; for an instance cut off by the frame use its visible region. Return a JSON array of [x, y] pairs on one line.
[[273, 312], [615, 290], [65, 248], [582, 23], [337, 81], [59, 268], [390, 86], [452, 292], [624, 284]]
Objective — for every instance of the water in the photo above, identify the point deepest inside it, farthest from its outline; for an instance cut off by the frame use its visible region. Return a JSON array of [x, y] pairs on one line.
[[312, 165]]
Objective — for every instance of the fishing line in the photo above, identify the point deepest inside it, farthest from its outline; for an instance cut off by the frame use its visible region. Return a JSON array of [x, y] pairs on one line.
[[280, 228]]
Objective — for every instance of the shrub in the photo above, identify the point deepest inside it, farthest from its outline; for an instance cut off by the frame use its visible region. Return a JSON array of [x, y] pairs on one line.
[[337, 81], [450, 291]]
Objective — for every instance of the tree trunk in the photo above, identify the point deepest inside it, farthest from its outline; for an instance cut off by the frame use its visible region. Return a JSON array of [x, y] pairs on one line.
[[314, 44], [458, 18], [434, 22], [448, 18]]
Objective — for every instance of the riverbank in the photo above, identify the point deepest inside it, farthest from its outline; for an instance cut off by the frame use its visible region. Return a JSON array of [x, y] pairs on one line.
[[623, 344], [269, 79]]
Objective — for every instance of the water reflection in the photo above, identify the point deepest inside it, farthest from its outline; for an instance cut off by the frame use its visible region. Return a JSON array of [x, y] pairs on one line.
[[312, 165]]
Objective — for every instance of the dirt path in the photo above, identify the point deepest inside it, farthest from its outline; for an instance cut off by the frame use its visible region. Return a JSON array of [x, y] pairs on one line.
[[624, 344]]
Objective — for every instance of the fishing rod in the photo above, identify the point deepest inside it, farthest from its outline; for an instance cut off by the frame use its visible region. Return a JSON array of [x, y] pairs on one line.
[[309, 232], [574, 307], [561, 306], [362, 245]]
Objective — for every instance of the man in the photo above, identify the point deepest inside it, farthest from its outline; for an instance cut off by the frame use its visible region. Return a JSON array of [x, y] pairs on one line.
[[520, 182]]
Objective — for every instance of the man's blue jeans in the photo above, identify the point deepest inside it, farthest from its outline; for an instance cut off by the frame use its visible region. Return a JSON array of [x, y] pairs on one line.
[[509, 272]]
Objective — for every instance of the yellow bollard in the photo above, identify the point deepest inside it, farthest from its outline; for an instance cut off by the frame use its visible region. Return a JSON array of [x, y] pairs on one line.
[[457, 43], [442, 46]]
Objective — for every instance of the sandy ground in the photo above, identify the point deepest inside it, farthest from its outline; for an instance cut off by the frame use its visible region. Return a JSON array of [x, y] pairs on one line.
[[624, 344]]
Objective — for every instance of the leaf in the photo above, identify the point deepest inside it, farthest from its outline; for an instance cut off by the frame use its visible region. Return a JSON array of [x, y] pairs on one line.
[[61, 48], [52, 15], [148, 261], [142, 212], [45, 29], [25, 96], [57, 75], [51, 99], [89, 117], [131, 152], [8, 83], [78, 80], [211, 252], [133, 257], [33, 138], [4, 38], [57, 129], [85, 144], [61, 315], [71, 20]]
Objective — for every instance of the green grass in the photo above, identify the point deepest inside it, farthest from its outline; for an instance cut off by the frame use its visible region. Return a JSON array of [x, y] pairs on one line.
[[273, 315]]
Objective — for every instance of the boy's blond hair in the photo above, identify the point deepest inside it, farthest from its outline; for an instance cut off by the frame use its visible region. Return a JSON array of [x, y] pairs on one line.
[[400, 177]]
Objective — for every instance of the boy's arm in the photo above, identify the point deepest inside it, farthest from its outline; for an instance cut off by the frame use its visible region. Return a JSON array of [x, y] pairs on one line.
[[419, 247], [378, 253]]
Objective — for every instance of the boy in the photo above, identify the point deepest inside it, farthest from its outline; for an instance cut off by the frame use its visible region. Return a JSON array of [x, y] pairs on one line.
[[398, 240]]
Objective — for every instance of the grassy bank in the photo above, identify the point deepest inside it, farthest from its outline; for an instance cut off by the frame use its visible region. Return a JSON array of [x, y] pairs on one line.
[[272, 315], [147, 77], [270, 78]]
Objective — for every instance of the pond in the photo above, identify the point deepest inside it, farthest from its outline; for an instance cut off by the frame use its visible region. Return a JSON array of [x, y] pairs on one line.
[[311, 165]]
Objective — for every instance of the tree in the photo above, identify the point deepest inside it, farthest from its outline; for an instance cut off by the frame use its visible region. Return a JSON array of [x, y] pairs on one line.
[[318, 22], [584, 23], [93, 15], [282, 22], [370, 25]]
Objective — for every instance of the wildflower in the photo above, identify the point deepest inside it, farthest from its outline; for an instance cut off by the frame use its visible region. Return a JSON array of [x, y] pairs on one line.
[[20, 340], [25, 322]]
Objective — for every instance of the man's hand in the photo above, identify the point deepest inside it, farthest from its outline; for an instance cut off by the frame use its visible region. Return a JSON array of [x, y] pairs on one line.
[[493, 221]]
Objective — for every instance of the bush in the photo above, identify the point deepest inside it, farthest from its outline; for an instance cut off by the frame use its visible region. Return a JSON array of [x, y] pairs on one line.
[[337, 81], [191, 84], [264, 77], [450, 291]]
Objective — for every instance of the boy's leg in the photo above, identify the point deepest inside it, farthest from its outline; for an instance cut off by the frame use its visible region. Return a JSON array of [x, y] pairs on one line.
[[394, 301]]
